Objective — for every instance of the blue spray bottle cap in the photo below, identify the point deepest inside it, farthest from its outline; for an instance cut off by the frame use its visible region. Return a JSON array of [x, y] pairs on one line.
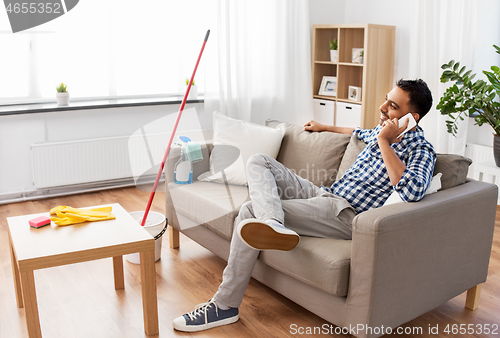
[[185, 139]]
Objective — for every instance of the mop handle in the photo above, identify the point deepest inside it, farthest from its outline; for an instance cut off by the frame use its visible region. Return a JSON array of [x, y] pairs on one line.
[[173, 133]]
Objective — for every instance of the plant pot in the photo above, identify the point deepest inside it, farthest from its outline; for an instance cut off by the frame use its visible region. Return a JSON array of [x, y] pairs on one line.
[[62, 99], [496, 149], [361, 60], [193, 93], [334, 55]]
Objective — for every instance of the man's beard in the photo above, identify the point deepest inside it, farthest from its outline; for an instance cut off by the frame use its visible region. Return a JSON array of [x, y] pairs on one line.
[[381, 121]]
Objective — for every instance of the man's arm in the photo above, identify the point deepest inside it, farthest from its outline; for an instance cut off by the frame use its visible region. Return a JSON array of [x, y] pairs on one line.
[[395, 168], [411, 180], [387, 136], [316, 126]]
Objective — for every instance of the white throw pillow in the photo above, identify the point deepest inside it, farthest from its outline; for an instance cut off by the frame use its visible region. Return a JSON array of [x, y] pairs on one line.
[[248, 138], [433, 187], [435, 184]]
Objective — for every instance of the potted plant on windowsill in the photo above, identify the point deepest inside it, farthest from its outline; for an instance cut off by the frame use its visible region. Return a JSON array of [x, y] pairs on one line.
[[193, 92], [478, 99], [334, 53], [62, 95]]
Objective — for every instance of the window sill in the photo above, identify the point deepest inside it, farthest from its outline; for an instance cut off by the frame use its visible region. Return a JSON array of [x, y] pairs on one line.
[[48, 107]]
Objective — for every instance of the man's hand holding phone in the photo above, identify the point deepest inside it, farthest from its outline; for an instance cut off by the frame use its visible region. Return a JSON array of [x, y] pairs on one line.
[[411, 123], [393, 130]]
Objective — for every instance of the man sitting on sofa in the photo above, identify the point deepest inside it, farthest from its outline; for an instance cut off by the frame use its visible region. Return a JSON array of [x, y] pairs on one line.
[[284, 205]]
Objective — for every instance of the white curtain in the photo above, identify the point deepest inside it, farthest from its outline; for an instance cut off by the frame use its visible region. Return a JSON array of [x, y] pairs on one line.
[[259, 63], [442, 30]]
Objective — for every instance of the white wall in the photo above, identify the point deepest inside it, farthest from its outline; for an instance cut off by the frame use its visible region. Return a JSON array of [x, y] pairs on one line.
[[386, 12], [326, 12]]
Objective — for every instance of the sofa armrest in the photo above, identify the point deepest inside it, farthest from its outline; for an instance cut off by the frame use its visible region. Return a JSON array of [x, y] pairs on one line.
[[408, 258]]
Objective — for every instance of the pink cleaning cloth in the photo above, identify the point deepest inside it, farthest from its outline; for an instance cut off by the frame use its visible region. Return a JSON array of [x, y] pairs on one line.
[[39, 222]]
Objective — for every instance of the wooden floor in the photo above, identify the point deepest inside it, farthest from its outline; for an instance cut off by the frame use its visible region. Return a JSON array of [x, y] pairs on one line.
[[80, 300]]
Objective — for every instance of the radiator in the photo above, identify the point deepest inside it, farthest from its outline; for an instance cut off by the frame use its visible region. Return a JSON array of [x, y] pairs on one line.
[[477, 153], [57, 164]]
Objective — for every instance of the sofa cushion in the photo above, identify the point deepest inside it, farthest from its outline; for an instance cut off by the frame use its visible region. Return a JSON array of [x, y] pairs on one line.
[[313, 156], [454, 169], [321, 262], [234, 142], [213, 205]]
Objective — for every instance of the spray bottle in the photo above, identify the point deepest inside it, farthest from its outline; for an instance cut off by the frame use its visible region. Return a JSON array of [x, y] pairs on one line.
[[183, 170]]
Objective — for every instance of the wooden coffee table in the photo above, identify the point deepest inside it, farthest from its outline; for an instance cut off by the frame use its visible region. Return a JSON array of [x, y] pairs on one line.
[[52, 245]]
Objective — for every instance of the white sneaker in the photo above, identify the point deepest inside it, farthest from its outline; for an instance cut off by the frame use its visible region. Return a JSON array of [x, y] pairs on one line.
[[267, 235]]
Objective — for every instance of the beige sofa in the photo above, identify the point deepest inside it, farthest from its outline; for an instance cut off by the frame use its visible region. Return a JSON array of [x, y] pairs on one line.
[[404, 259]]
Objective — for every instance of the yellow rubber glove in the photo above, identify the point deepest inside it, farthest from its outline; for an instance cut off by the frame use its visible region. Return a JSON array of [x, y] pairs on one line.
[[94, 211], [67, 219], [67, 215]]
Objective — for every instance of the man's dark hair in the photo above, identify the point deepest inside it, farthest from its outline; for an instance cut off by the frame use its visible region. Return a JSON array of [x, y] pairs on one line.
[[420, 95]]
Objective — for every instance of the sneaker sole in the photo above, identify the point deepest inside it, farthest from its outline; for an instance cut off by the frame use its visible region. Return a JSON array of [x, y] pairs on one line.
[[261, 236], [195, 328]]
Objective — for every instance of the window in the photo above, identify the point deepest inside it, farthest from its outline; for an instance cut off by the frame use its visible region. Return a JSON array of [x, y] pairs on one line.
[[14, 62], [104, 48]]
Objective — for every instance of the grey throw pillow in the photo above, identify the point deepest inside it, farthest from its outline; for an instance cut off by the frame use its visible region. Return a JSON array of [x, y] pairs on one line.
[[454, 169], [315, 156]]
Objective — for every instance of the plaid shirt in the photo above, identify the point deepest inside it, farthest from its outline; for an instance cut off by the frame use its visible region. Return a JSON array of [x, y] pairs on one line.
[[367, 184]]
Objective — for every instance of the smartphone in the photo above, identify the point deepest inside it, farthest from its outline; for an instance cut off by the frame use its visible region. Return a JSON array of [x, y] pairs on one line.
[[412, 123]]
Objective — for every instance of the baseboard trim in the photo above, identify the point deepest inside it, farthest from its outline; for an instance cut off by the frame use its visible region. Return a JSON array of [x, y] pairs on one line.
[[38, 194]]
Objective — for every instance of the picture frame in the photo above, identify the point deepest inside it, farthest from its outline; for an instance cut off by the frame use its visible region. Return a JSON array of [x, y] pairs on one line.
[[357, 55], [328, 86], [354, 93]]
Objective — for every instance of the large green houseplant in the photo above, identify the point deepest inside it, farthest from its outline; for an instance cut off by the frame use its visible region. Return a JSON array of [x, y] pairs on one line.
[[478, 99]]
